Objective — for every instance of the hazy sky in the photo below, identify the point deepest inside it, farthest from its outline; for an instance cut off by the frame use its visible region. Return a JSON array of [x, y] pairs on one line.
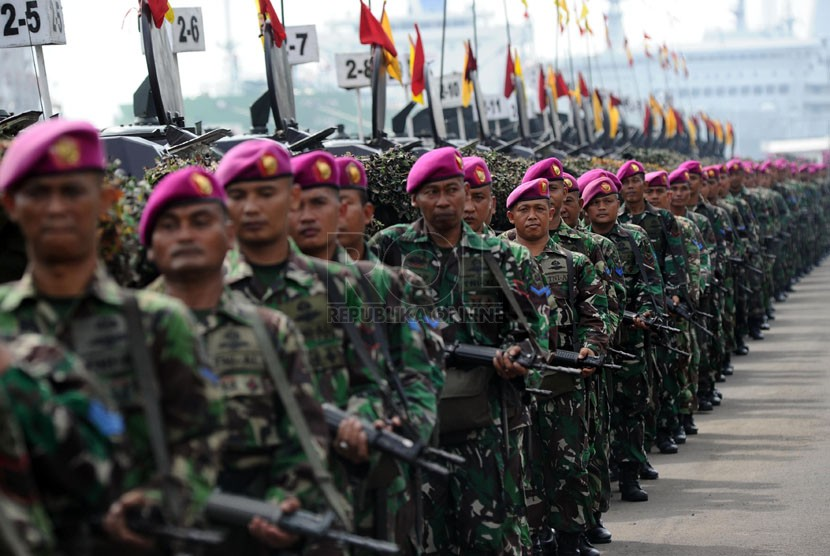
[[101, 64]]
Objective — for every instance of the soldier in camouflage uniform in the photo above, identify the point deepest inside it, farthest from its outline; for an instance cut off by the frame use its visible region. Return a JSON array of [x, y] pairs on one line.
[[358, 211], [644, 287], [599, 474], [258, 179], [559, 432], [60, 449], [187, 231], [52, 183], [664, 233], [481, 206], [482, 417]]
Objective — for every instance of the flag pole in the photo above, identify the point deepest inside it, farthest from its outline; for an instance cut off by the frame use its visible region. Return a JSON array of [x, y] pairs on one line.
[[443, 40], [360, 136], [475, 26]]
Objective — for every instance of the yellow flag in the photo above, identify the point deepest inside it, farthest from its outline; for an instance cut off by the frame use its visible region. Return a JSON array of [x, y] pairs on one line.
[[393, 66], [671, 123], [517, 66], [718, 131], [596, 104], [613, 121], [551, 79], [655, 106], [419, 98], [562, 13], [690, 125], [170, 16]]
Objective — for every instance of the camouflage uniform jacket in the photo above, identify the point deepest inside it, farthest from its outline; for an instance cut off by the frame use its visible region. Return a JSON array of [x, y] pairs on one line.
[[464, 291], [580, 297], [259, 433], [339, 374], [664, 233], [643, 279], [707, 247], [96, 329], [61, 446], [692, 248]]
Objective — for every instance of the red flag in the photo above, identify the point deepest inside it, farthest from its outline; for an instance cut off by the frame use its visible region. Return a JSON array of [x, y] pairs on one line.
[[418, 83], [646, 36], [647, 120], [561, 87], [267, 9], [628, 53], [543, 95], [371, 31], [583, 87], [158, 9], [508, 76], [614, 100], [680, 128], [472, 64]]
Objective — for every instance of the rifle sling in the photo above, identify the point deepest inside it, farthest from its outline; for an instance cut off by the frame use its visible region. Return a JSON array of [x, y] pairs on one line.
[[277, 373], [511, 300], [146, 374]]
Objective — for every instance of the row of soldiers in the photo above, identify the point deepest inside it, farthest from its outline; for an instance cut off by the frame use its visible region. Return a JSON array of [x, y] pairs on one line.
[[440, 386]]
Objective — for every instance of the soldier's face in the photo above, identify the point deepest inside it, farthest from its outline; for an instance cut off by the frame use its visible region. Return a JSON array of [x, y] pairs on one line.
[[191, 239], [679, 195], [603, 210], [58, 215], [356, 216], [571, 207], [259, 210], [658, 197], [313, 225], [695, 182], [557, 194], [442, 203], [479, 208], [531, 218], [633, 188]]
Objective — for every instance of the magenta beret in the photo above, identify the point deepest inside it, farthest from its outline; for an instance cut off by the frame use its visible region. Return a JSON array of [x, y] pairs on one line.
[[436, 165], [692, 166], [476, 172], [659, 178], [765, 166], [630, 168], [680, 175], [352, 173], [595, 173], [53, 146], [315, 169], [601, 186], [529, 191], [712, 172], [549, 168], [571, 183], [254, 160], [191, 183], [734, 166]]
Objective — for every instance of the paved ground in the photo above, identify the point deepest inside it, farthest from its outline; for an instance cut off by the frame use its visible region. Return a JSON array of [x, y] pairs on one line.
[[755, 481]]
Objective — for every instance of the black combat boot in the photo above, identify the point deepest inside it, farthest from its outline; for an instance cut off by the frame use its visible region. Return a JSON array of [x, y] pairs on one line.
[[727, 369], [665, 443], [755, 328], [586, 548], [648, 472], [630, 489], [741, 348], [544, 544], [689, 424], [679, 435], [598, 534], [568, 544]]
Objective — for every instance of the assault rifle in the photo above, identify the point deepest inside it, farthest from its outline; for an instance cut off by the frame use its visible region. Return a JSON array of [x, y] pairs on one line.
[[683, 311], [230, 509], [150, 523], [397, 446], [653, 323], [740, 262]]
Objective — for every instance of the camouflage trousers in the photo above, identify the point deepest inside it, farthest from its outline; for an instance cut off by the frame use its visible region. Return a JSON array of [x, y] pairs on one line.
[[389, 511], [480, 507], [629, 405], [727, 314], [676, 393], [599, 441], [557, 487]]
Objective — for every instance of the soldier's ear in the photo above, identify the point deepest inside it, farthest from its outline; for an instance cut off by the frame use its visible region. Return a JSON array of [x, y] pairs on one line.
[[9, 205], [295, 197], [412, 201], [510, 216]]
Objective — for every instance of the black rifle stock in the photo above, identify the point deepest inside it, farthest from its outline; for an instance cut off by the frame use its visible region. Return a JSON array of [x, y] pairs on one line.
[[654, 324], [395, 445], [238, 511], [149, 523], [686, 314]]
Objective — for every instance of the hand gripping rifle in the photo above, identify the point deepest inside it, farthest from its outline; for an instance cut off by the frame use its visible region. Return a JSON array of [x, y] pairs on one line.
[[683, 311], [230, 509], [397, 446]]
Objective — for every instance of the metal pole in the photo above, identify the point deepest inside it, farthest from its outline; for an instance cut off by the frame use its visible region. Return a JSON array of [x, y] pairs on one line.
[[475, 27], [507, 22], [462, 128], [43, 82], [359, 116], [443, 40]]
